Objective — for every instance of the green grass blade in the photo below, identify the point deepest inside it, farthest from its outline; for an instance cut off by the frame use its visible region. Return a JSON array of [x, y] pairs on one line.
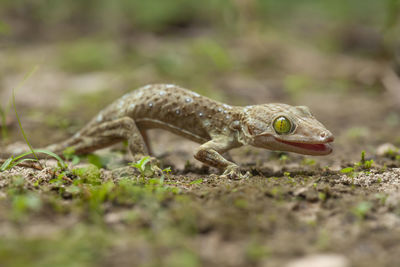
[[54, 155], [6, 110], [22, 155], [15, 163], [4, 131], [22, 130], [6, 163]]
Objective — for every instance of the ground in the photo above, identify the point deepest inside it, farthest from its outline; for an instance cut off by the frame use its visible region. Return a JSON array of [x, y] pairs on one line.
[[100, 211]]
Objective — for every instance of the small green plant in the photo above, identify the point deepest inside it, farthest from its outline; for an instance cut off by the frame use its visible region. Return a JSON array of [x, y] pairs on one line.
[[283, 158], [69, 154], [88, 175], [15, 160], [22, 203], [60, 180], [362, 209], [347, 170], [22, 129], [198, 181], [363, 163], [143, 167], [322, 196], [309, 162], [381, 197]]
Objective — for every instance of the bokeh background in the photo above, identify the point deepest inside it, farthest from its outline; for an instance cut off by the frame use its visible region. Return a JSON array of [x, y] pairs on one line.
[[66, 60], [334, 56]]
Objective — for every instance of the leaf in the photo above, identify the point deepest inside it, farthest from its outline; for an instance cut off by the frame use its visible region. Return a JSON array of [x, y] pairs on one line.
[[198, 181], [347, 170], [15, 163], [6, 163], [47, 152]]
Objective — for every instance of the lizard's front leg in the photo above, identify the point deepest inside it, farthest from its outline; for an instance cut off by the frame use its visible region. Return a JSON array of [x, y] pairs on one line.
[[210, 154]]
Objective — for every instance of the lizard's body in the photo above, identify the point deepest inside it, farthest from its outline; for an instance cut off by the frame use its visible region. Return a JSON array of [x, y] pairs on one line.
[[217, 126]]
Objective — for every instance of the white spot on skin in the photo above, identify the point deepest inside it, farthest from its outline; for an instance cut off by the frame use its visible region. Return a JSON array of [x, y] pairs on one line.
[[225, 112], [228, 117], [235, 124], [169, 86], [147, 86], [206, 123], [121, 104], [131, 107], [219, 109], [201, 114], [162, 93], [178, 111], [99, 118], [188, 100], [150, 104], [225, 129], [77, 134], [227, 106], [139, 94], [195, 94]]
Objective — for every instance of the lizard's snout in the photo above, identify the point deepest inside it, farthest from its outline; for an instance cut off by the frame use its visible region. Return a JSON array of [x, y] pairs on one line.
[[327, 137]]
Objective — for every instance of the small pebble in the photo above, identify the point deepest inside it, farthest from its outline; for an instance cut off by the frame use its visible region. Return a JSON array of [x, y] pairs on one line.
[[320, 260], [386, 149]]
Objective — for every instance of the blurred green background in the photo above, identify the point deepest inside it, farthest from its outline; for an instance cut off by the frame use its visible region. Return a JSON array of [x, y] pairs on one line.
[[90, 52], [335, 56], [109, 34]]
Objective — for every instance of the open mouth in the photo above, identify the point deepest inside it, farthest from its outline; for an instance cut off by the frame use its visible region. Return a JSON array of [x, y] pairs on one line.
[[321, 148]]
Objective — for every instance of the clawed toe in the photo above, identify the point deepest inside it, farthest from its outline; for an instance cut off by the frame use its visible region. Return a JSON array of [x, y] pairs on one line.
[[234, 173]]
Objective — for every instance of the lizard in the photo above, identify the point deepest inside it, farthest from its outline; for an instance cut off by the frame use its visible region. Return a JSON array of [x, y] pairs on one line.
[[216, 126]]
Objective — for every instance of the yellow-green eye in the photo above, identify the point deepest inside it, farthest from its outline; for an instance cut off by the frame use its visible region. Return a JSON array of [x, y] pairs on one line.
[[282, 125]]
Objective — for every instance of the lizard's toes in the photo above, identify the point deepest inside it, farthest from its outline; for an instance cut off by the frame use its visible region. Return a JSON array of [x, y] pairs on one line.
[[234, 173], [156, 170]]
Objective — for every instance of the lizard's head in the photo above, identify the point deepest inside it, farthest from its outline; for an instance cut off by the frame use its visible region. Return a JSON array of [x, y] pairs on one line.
[[285, 128]]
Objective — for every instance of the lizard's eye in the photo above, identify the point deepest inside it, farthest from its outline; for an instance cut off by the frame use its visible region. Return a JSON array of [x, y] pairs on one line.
[[282, 125]]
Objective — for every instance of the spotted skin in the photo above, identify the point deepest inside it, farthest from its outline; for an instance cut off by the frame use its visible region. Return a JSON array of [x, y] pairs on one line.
[[216, 126]]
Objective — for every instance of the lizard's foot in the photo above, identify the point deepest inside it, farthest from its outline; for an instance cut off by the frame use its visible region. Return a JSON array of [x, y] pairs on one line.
[[233, 172]]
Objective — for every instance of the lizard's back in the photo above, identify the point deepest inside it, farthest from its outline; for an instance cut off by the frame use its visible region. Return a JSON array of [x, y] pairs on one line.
[[172, 108]]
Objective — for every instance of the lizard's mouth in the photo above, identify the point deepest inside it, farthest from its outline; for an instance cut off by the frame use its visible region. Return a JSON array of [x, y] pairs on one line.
[[318, 149]]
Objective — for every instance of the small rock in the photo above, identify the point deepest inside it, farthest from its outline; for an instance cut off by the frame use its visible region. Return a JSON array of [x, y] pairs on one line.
[[386, 149], [320, 260]]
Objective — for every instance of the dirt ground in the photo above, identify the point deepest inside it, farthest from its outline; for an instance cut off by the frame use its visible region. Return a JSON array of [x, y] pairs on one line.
[[294, 210]]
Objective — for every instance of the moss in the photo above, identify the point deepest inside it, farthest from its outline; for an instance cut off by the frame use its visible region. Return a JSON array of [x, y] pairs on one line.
[[88, 175]]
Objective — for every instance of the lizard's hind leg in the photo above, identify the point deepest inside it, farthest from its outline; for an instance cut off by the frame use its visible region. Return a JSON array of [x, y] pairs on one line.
[[106, 134]]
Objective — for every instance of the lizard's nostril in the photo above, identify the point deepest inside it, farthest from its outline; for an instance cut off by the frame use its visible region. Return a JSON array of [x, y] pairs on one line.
[[327, 136]]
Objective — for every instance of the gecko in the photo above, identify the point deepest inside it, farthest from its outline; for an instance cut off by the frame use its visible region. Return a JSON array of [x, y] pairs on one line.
[[216, 126]]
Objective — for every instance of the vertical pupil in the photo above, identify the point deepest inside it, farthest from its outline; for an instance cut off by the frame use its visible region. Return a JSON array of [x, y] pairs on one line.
[[282, 125]]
